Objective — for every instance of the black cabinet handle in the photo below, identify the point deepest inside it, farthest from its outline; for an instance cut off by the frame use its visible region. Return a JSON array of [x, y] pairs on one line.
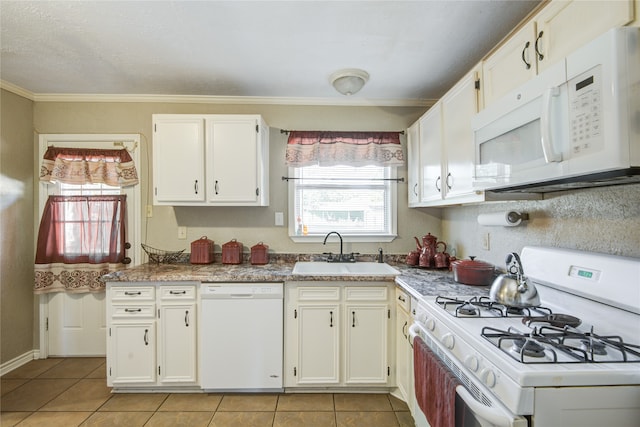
[[415, 187], [437, 186], [129, 293], [447, 182], [195, 187], [404, 329], [132, 310], [527, 64], [353, 319], [186, 318], [177, 292], [216, 187], [540, 55], [331, 319], [146, 337], [401, 298]]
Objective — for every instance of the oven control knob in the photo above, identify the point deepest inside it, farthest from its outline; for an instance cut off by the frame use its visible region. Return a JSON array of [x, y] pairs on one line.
[[472, 363], [488, 377], [449, 341], [431, 324]]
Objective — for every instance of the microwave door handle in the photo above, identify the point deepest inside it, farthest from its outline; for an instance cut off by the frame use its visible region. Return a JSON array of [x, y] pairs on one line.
[[492, 416], [545, 126]]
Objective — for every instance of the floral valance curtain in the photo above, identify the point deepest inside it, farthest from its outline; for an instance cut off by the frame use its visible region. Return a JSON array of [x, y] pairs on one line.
[[306, 148], [80, 239], [88, 166]]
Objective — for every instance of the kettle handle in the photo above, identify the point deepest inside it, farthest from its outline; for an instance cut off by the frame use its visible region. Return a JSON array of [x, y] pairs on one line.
[[418, 243], [514, 258]]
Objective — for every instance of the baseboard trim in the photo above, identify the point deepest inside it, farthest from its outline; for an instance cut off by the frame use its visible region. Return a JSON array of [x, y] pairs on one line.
[[16, 362]]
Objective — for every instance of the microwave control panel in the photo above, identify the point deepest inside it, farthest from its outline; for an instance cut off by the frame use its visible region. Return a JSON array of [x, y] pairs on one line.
[[585, 112]]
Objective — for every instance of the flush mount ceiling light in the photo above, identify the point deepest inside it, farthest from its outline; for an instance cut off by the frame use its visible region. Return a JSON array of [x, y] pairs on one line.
[[349, 81]]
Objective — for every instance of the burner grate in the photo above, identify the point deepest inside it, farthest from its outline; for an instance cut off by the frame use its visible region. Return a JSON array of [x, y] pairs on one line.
[[549, 344], [480, 306]]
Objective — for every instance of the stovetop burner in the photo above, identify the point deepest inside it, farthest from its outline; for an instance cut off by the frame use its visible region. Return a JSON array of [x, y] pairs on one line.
[[549, 344], [480, 306]]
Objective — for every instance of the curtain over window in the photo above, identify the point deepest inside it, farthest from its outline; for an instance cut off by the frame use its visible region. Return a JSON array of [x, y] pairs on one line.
[[81, 166], [306, 148], [80, 239]]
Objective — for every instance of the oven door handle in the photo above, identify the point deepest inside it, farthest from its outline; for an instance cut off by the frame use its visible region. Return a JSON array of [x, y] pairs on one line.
[[491, 415]]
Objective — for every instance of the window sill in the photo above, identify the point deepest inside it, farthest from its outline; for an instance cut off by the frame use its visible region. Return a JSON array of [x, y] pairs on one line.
[[346, 238]]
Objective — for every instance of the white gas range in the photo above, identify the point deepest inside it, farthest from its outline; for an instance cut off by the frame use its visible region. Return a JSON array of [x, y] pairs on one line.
[[573, 361]]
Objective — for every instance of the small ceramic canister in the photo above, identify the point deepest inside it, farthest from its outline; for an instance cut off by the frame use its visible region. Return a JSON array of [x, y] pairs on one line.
[[259, 254]]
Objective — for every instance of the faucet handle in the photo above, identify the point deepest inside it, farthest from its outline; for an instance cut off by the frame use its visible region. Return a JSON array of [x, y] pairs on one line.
[[329, 256], [352, 257]]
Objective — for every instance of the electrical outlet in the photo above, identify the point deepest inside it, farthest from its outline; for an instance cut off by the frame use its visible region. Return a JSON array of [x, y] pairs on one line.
[[279, 218], [485, 241], [149, 211], [182, 233]]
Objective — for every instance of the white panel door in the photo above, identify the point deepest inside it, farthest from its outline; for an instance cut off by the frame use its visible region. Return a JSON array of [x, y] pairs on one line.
[[178, 159], [77, 324], [431, 154], [177, 343], [366, 344], [318, 344], [233, 156]]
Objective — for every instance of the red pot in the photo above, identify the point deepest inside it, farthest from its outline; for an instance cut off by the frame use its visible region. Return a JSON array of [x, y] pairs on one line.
[[472, 272]]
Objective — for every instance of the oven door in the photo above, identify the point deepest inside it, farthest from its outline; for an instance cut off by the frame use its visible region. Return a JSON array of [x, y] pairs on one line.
[[469, 411]]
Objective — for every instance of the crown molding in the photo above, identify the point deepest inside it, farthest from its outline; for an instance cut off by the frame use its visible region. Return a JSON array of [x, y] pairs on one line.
[[242, 100], [17, 90]]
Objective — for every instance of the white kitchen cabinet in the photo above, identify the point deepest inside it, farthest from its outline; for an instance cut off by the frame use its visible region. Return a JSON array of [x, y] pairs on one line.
[[459, 105], [337, 336], [152, 339], [446, 148], [404, 349], [431, 155], [318, 344], [177, 330], [413, 164], [555, 31], [178, 159], [133, 353], [210, 160]]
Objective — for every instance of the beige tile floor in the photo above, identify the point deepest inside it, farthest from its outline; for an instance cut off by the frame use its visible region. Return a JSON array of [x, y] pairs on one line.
[[73, 392]]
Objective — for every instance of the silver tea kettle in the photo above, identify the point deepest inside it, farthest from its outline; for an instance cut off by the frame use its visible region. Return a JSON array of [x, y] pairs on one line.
[[512, 289]]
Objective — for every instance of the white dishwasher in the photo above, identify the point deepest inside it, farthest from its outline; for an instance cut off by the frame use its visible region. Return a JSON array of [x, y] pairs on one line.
[[241, 336]]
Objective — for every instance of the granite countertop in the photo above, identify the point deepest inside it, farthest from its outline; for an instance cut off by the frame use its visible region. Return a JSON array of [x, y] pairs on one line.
[[416, 281]]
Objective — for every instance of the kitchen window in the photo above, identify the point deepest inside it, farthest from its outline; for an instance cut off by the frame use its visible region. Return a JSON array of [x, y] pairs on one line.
[[358, 202]]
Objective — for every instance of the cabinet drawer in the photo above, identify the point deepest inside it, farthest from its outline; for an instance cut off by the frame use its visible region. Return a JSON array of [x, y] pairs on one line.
[[177, 292], [318, 294], [403, 300], [133, 293], [378, 293], [133, 311]]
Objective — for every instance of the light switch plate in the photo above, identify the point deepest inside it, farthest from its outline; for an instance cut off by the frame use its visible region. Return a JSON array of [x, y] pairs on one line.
[[182, 232], [279, 218]]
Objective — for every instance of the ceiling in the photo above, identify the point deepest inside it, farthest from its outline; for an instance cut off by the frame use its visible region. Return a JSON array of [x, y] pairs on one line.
[[281, 50]]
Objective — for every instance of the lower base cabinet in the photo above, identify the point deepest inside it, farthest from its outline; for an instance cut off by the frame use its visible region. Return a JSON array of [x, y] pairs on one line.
[[151, 335], [338, 336]]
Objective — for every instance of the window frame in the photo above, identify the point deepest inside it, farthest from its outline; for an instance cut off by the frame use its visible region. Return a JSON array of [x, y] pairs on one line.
[[362, 238]]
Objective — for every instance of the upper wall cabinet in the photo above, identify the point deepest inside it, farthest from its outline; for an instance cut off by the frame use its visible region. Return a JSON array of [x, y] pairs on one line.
[[441, 150], [558, 29], [210, 160]]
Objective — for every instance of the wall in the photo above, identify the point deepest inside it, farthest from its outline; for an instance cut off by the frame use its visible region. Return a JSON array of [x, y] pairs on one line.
[[16, 229], [247, 224], [605, 220]]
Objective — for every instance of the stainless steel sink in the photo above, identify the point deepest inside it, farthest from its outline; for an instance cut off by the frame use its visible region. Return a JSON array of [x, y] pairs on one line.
[[310, 268]]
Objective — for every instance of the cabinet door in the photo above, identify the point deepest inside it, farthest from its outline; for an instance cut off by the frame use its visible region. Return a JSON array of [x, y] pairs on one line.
[[564, 26], [459, 106], [318, 344], [178, 160], [177, 343], [366, 331], [413, 163], [431, 154], [233, 156], [510, 65], [403, 378], [133, 353]]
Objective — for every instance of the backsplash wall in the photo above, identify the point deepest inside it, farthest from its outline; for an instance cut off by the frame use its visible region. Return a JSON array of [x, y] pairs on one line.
[[605, 220]]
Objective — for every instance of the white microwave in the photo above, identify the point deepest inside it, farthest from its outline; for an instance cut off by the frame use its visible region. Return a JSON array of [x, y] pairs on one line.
[[575, 125]]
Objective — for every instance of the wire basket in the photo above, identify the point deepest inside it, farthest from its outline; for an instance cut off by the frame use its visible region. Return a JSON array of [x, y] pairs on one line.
[[161, 257]]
